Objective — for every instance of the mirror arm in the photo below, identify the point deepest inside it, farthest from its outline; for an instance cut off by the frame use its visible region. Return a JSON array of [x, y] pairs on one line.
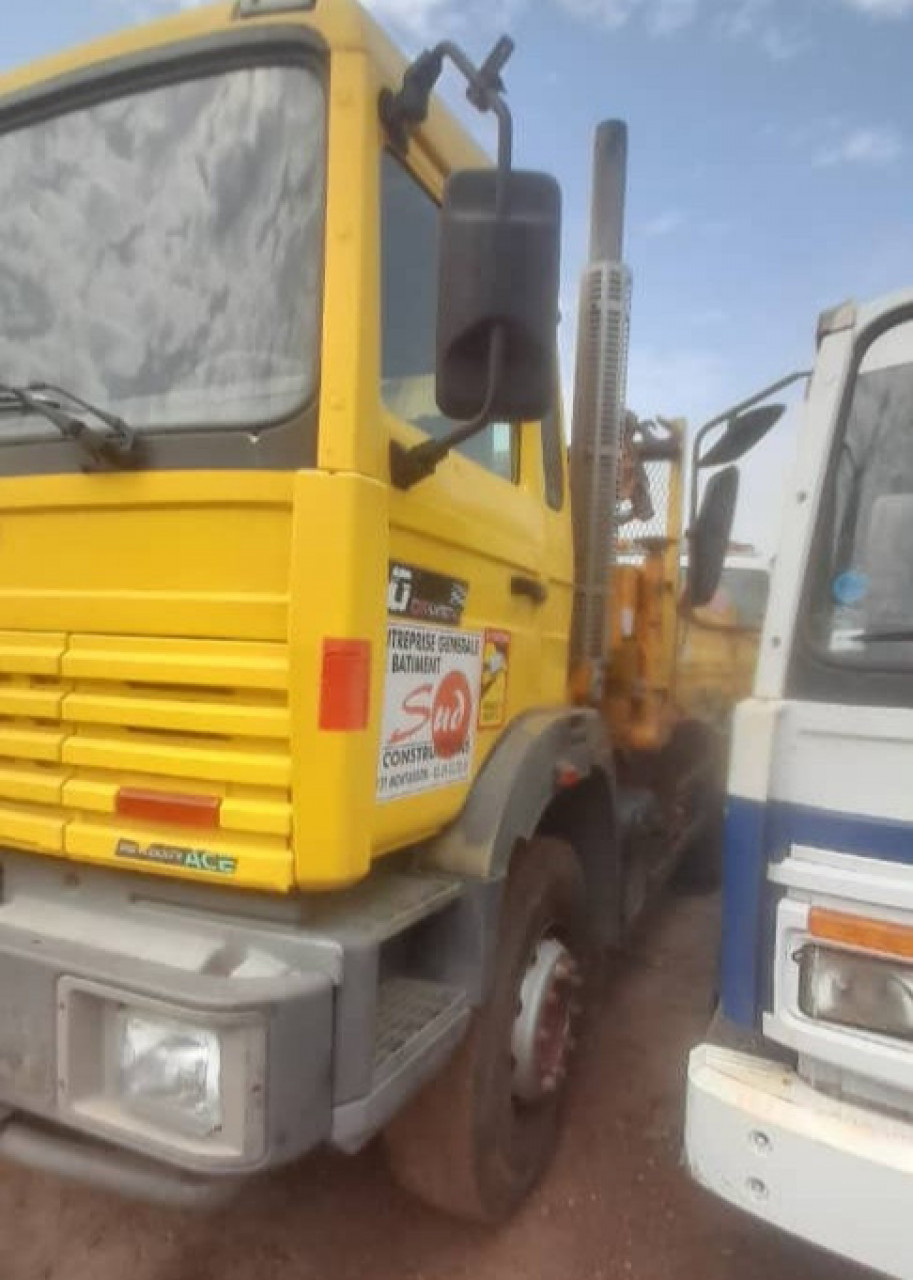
[[408, 467], [801, 376], [403, 111]]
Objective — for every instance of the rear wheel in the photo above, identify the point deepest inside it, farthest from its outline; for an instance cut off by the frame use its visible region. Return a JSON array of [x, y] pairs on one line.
[[478, 1138]]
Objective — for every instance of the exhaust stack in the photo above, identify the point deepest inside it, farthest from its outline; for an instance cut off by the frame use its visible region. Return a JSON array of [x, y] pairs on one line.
[[610, 182], [599, 398]]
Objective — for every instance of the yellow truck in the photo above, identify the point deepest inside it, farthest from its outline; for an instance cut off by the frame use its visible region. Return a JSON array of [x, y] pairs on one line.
[[318, 792], [718, 646]]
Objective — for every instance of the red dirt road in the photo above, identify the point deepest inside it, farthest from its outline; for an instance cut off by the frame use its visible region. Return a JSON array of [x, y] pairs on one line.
[[616, 1205]]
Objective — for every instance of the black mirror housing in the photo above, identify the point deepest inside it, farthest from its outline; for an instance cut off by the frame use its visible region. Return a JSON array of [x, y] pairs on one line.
[[743, 432], [498, 270], [710, 537]]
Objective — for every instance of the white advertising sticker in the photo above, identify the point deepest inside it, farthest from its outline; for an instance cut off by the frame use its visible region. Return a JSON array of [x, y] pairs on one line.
[[431, 704]]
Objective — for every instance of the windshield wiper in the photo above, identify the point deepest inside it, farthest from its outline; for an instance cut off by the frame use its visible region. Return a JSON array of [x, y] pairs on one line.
[[113, 447], [882, 637]]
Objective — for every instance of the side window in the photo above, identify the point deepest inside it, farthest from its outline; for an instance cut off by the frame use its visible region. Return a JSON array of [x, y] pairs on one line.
[[552, 460], [409, 228]]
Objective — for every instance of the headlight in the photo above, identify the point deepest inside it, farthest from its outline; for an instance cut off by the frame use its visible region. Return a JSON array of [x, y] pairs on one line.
[[163, 1079], [856, 991], [170, 1073]]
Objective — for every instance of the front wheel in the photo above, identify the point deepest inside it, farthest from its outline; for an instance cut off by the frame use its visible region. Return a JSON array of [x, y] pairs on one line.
[[479, 1137]]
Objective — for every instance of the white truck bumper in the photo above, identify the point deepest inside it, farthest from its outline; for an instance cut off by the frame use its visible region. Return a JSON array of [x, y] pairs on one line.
[[835, 1174]]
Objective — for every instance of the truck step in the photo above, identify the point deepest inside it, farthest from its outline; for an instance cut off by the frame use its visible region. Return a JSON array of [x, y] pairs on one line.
[[409, 1010], [419, 1024], [383, 906]]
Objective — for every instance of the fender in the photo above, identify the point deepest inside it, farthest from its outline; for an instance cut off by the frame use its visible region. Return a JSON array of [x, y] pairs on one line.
[[522, 790]]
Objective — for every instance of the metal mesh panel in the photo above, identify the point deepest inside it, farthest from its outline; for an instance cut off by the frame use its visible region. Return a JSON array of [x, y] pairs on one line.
[[598, 417], [406, 1007], [631, 532]]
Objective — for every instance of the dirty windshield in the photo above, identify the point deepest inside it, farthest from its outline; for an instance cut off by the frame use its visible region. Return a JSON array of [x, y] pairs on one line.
[[161, 252], [867, 613]]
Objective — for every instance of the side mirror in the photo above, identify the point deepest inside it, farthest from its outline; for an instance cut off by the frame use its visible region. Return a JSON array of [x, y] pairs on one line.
[[500, 256], [710, 537], [743, 432]]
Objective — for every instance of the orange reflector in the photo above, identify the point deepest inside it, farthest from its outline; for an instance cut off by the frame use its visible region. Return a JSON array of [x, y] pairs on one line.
[[167, 807], [345, 690], [858, 931]]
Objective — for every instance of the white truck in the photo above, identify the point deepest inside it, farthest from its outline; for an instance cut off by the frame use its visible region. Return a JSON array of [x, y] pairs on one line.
[[800, 1104]]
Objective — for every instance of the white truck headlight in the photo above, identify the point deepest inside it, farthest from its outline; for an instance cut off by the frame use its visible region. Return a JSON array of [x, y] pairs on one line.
[[170, 1072], [857, 991]]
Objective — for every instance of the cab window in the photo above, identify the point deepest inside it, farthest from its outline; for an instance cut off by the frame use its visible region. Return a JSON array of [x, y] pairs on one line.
[[409, 315]]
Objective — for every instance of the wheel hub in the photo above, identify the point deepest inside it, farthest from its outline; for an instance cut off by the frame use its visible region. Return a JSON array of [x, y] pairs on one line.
[[543, 1033]]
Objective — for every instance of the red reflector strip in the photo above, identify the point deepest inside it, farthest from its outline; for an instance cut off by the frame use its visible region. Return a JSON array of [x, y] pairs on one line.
[[345, 689], [167, 807]]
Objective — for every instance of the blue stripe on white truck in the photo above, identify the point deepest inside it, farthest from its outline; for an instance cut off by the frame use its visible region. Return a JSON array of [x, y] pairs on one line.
[[758, 833]]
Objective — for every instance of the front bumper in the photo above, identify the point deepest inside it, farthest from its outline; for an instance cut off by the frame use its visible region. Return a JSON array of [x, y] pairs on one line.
[[835, 1174], [72, 960], [323, 1033]]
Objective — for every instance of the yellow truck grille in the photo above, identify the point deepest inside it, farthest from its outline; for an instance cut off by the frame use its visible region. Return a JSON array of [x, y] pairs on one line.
[[82, 716]]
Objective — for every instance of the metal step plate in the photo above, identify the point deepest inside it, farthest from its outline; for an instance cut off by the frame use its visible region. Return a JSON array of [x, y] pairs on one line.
[[407, 1008]]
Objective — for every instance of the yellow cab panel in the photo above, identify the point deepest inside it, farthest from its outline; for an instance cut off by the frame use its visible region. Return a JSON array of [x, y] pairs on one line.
[[232, 653]]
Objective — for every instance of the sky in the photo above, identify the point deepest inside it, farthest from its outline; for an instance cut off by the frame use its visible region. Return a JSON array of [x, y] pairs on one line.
[[769, 174]]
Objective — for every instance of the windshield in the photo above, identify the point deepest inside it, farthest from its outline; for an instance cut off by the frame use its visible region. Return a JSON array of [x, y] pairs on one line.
[[864, 610], [161, 253]]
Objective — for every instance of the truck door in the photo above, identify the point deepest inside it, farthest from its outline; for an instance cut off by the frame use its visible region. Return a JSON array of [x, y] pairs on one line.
[[468, 588]]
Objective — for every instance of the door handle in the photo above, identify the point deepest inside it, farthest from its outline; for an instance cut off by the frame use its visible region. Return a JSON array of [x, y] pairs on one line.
[[532, 588]]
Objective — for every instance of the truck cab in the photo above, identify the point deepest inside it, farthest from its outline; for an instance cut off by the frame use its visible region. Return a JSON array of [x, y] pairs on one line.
[[316, 805], [244, 679], [800, 1108]]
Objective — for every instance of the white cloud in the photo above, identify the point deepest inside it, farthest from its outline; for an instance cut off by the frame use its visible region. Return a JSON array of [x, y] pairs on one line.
[[145, 10], [782, 45], [423, 21], [663, 224], [671, 15], [740, 19], [662, 17], [882, 8], [151, 8], [757, 22], [877, 147], [607, 13], [419, 17]]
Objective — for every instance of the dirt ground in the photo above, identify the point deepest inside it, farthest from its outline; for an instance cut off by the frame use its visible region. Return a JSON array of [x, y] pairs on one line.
[[616, 1205]]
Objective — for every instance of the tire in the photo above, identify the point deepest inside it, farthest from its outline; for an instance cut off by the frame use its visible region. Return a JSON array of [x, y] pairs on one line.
[[467, 1145]]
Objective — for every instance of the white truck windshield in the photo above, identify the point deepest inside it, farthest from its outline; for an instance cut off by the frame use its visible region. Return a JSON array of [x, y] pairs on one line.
[[161, 252], [868, 613]]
